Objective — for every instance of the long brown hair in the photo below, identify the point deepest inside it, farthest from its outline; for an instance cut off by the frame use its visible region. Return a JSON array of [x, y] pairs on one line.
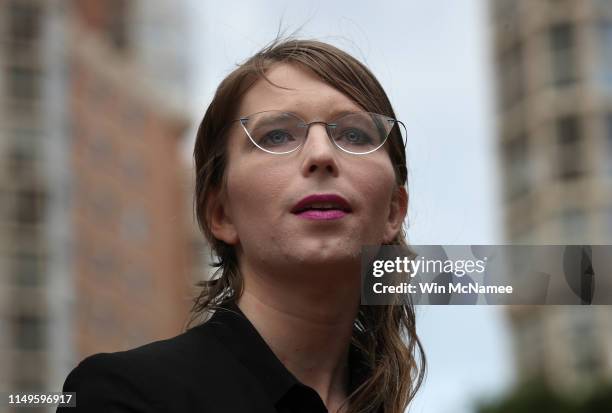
[[386, 335]]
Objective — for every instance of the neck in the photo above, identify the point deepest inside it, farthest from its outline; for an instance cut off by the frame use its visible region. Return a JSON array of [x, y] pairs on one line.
[[307, 320]]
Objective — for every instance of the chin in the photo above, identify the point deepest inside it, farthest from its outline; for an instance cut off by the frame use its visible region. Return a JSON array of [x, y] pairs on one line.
[[330, 256]]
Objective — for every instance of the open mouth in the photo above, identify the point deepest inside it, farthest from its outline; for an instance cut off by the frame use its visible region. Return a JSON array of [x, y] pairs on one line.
[[325, 206], [322, 206]]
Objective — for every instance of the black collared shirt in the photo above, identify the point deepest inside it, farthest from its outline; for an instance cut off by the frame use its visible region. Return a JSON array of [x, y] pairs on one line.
[[221, 366]]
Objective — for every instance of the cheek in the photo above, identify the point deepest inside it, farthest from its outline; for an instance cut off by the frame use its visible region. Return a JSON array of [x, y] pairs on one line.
[[251, 194], [376, 185]]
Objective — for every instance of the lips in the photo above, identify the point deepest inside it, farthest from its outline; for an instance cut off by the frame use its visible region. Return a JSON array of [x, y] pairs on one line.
[[324, 204]]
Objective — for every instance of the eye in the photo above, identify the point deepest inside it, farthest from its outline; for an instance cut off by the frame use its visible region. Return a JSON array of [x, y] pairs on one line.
[[354, 136], [276, 137]]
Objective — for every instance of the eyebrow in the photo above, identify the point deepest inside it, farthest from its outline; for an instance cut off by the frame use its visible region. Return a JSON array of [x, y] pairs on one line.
[[337, 114], [334, 115]]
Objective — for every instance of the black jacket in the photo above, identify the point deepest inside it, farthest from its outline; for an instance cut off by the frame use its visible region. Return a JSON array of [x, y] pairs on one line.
[[221, 366]]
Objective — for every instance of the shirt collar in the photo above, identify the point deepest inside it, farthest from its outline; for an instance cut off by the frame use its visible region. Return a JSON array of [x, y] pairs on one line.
[[240, 337]]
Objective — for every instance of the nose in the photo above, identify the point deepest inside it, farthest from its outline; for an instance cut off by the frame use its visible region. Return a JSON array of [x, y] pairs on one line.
[[319, 153]]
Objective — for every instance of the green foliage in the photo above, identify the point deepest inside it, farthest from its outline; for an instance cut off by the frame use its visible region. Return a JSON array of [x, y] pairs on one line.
[[599, 402], [537, 397]]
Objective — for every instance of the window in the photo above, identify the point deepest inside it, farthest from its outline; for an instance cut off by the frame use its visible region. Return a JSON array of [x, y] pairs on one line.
[[587, 356], [135, 225], [506, 11], [134, 116], [100, 148], [24, 145], [563, 50], [530, 340], [133, 169], [569, 148], [567, 130], [118, 25], [24, 20], [29, 332], [24, 83], [575, 226], [512, 76], [103, 263], [103, 205], [23, 148], [517, 166], [29, 207], [99, 93], [27, 269]]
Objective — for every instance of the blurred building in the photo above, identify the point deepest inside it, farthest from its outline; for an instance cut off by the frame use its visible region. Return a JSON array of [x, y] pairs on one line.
[[24, 197], [566, 347], [160, 42], [554, 85], [96, 240], [151, 32], [131, 234], [554, 71]]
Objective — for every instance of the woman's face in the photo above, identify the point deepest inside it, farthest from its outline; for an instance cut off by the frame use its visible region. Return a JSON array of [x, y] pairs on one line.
[[256, 212]]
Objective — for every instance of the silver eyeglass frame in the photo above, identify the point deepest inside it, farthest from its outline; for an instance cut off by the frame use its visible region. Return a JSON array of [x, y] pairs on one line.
[[328, 126]]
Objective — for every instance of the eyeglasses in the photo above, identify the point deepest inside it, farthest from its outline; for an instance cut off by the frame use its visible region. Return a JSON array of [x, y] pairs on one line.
[[278, 132]]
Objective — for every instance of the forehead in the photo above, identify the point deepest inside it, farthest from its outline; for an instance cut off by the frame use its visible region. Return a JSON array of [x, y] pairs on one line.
[[306, 95]]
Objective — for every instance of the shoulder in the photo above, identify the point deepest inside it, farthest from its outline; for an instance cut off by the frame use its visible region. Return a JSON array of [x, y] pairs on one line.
[[152, 377]]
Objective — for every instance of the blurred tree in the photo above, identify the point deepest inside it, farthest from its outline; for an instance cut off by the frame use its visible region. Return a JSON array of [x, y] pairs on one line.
[[538, 397], [600, 401]]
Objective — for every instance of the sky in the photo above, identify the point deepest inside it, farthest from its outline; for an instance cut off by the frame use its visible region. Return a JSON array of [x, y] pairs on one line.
[[433, 59]]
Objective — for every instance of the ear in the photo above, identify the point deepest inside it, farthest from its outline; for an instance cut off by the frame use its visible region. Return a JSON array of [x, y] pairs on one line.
[[221, 224], [397, 214]]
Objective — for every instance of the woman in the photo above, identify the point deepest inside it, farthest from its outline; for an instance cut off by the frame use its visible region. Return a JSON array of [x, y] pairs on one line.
[[300, 162]]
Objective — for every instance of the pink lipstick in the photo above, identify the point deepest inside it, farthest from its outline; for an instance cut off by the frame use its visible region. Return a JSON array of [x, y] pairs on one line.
[[322, 207]]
